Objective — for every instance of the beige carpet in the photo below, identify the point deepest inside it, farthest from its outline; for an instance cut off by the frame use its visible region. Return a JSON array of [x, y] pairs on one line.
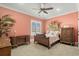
[[39, 50]]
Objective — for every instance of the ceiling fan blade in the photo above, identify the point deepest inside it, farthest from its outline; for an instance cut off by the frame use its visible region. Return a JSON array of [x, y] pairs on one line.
[[48, 8], [45, 11]]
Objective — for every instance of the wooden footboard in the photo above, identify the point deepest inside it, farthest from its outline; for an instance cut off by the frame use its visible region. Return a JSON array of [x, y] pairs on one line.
[[46, 41], [54, 43]]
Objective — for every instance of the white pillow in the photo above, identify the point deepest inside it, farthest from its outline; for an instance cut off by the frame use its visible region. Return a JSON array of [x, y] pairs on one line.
[[52, 33]]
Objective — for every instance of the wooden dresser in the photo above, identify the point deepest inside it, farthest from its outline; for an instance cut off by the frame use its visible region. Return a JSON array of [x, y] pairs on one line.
[[5, 47], [20, 40], [67, 36]]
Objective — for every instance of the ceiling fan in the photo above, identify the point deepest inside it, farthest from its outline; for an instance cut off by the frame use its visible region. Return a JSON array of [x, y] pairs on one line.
[[44, 9]]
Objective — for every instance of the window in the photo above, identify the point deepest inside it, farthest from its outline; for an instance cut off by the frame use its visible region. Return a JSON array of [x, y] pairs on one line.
[[36, 27]]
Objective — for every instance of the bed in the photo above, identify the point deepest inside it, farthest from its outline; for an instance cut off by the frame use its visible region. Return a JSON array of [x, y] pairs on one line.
[[47, 39]]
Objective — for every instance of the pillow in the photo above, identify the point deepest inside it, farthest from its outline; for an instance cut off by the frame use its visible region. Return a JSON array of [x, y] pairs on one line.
[[52, 33]]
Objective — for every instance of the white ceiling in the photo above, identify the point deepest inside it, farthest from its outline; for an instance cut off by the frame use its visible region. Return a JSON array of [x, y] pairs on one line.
[[31, 9]]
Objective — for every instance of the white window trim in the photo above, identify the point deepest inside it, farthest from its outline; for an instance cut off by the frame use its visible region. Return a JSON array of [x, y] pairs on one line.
[[36, 22]]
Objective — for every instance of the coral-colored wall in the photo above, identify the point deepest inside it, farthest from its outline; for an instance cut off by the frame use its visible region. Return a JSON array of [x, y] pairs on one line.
[[23, 22], [68, 19]]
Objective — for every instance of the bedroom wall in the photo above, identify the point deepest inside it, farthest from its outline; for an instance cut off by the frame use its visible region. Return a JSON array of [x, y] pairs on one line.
[[70, 19], [23, 22]]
